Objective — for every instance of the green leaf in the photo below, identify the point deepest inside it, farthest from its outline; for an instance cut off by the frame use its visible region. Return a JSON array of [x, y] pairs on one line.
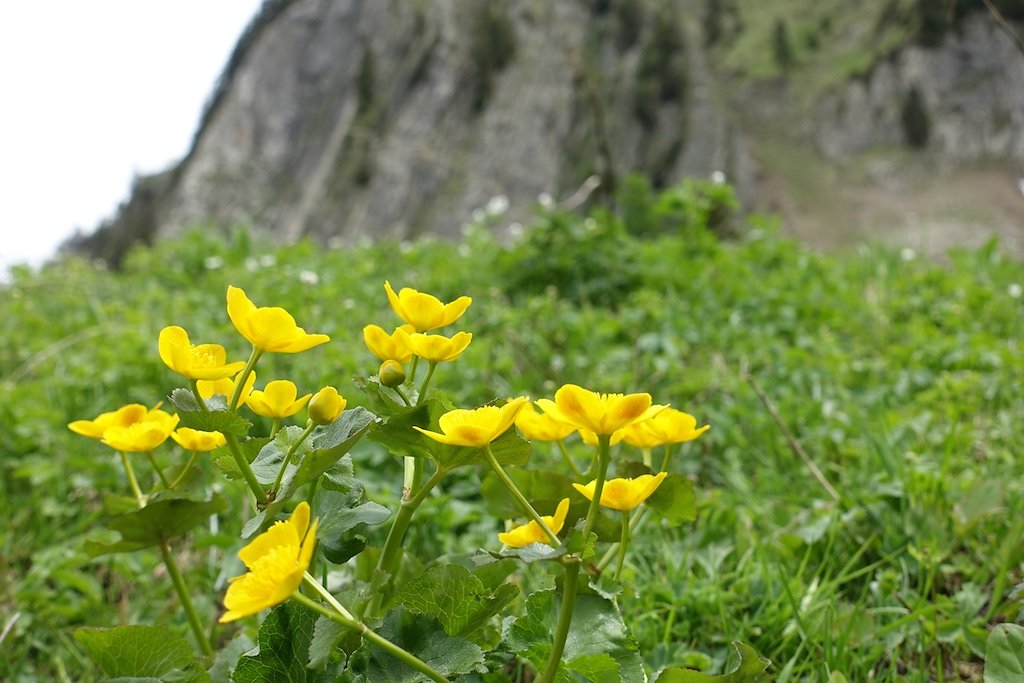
[[159, 521], [268, 460], [399, 437], [543, 488], [142, 652], [597, 634], [674, 500], [226, 659], [423, 637], [456, 598], [384, 400], [225, 461], [1004, 654], [327, 633], [750, 669], [190, 415], [283, 648]]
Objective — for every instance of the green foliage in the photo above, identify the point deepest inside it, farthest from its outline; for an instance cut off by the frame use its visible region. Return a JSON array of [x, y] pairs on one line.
[[1004, 659], [283, 649], [782, 50], [156, 523], [750, 669], [902, 379], [152, 653]]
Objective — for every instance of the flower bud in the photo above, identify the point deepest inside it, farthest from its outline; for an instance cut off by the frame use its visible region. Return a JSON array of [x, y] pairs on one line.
[[391, 374], [326, 406]]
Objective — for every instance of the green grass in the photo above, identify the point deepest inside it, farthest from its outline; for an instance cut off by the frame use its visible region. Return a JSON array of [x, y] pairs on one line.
[[902, 380]]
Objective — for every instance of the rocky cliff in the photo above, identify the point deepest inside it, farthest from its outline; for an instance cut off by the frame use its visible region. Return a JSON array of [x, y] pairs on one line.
[[343, 118]]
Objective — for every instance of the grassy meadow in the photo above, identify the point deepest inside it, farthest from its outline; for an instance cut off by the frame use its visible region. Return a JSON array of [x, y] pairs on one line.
[[860, 492]]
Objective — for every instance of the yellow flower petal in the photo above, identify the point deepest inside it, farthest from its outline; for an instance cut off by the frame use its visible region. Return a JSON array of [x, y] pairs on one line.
[[531, 532], [541, 426], [198, 441], [624, 494], [477, 427], [268, 328], [423, 311], [598, 413]]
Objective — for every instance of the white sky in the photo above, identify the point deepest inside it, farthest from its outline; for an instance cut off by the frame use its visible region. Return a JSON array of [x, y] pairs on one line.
[[95, 92]]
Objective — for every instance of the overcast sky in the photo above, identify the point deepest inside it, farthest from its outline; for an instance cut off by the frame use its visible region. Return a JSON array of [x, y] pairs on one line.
[[94, 93]]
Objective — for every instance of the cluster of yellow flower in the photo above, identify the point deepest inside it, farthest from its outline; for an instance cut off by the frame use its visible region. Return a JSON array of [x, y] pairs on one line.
[[278, 558]]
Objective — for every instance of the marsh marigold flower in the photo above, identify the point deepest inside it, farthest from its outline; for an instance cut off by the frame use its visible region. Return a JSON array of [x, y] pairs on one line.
[[269, 328], [195, 440], [326, 406], [122, 417], [477, 427], [202, 361], [437, 348], [226, 387], [276, 560], [528, 533], [144, 434], [667, 426], [541, 426], [598, 413], [277, 400], [388, 346], [624, 494], [423, 311], [391, 373]]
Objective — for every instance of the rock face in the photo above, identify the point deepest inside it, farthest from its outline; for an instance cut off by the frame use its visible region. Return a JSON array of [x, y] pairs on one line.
[[971, 92], [396, 118]]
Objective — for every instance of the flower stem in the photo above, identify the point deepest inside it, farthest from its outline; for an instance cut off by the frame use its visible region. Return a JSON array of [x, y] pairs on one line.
[[244, 468], [664, 460], [389, 555], [240, 382], [412, 370], [184, 471], [426, 381], [132, 481], [199, 397], [623, 542], [647, 457], [401, 394], [518, 495], [159, 470], [572, 572], [274, 426], [603, 458], [568, 459], [185, 599], [346, 620], [291, 451], [635, 522]]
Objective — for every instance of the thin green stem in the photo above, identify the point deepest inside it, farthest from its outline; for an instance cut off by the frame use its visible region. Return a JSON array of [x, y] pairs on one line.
[[199, 397], [291, 451], [274, 426], [603, 460], [401, 394], [362, 629], [184, 471], [426, 381], [159, 470], [647, 457], [413, 477], [244, 468], [240, 382], [572, 572], [623, 542], [132, 481], [389, 555], [635, 522], [568, 459], [518, 495], [669, 447], [412, 370], [185, 599]]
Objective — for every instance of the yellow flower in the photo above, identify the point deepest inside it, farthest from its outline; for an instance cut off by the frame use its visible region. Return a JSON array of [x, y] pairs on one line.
[[226, 387], [195, 440], [423, 311], [435, 347], [277, 400], [269, 328], [387, 346], [599, 413], [624, 494], [531, 532], [205, 361], [277, 560], [122, 417], [477, 427], [144, 434], [667, 426], [541, 426], [326, 406]]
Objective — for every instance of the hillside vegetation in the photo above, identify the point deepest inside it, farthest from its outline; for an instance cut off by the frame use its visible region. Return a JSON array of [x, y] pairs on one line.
[[901, 379]]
